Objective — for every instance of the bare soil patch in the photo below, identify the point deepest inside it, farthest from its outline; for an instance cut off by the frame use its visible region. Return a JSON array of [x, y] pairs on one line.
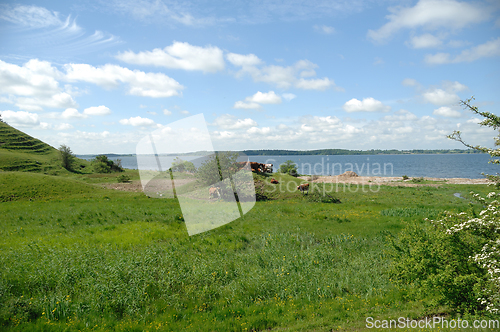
[[136, 186]]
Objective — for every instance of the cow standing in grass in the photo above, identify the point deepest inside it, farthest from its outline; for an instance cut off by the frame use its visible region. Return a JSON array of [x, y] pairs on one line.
[[213, 192], [303, 187]]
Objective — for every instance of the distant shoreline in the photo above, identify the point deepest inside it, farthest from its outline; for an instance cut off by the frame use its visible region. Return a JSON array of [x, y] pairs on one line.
[[322, 152]]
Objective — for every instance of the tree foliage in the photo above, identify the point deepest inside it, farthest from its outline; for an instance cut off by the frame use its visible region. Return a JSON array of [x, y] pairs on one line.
[[288, 167], [217, 171], [218, 166], [490, 120], [179, 165], [67, 157], [101, 164]]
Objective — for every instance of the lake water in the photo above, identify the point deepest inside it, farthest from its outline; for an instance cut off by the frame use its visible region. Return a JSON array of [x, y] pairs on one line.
[[428, 165]]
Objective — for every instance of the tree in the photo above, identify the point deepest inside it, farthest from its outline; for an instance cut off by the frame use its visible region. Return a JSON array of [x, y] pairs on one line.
[[218, 166], [490, 120], [289, 167], [101, 164], [217, 171], [67, 157], [179, 165]]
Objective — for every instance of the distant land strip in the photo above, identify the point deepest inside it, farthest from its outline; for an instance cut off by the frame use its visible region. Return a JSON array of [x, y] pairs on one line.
[[322, 152]]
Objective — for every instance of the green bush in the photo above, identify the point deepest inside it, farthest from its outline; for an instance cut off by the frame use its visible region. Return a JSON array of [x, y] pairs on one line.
[[179, 165], [438, 266], [101, 164], [289, 167], [123, 178], [319, 197]]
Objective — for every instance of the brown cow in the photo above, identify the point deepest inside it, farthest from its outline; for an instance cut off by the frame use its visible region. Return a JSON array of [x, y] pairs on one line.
[[303, 187], [213, 192]]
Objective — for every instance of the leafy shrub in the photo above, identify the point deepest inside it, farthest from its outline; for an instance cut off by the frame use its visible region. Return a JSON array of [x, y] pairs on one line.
[[319, 197], [289, 167], [123, 178], [417, 180], [179, 165], [101, 164], [438, 266], [405, 177]]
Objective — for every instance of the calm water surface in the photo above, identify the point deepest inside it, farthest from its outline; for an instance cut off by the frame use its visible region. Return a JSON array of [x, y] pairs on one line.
[[432, 165]]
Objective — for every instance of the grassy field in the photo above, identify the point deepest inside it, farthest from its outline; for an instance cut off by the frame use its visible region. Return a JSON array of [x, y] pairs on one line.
[[75, 256]]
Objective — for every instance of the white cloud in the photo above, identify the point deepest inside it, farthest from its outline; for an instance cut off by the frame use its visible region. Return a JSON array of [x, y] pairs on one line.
[[32, 16], [447, 112], [430, 15], [325, 29], [179, 56], [440, 97], [72, 113], [160, 12], [227, 121], [259, 131], [410, 82], [281, 76], [314, 84], [242, 105], [488, 49], [61, 36], [63, 126], [425, 41], [155, 85], [185, 112], [444, 95], [241, 60], [366, 105], [264, 98], [401, 115], [20, 118], [167, 112], [97, 110], [255, 101], [34, 85], [288, 96], [137, 122], [151, 112]]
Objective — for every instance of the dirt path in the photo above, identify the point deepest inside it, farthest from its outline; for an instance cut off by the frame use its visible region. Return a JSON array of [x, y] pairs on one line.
[[136, 186]]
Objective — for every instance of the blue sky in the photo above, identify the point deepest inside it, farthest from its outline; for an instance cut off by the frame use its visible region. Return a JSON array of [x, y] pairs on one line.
[[100, 75]]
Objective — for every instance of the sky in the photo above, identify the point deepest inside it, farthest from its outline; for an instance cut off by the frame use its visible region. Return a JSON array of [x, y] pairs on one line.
[[98, 76]]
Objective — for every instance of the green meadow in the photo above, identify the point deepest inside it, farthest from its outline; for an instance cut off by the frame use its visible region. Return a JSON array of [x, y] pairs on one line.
[[75, 256]]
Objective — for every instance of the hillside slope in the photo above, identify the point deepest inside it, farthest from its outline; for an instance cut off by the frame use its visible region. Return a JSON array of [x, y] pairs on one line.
[[21, 152]]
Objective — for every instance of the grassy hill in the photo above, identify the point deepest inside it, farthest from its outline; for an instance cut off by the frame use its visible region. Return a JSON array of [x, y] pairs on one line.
[[21, 152]]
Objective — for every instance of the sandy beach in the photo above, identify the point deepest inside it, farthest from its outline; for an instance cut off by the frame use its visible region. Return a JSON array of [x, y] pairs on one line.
[[353, 178]]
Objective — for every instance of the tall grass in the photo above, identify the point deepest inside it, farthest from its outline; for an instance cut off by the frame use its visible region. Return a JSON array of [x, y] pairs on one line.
[[106, 260]]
